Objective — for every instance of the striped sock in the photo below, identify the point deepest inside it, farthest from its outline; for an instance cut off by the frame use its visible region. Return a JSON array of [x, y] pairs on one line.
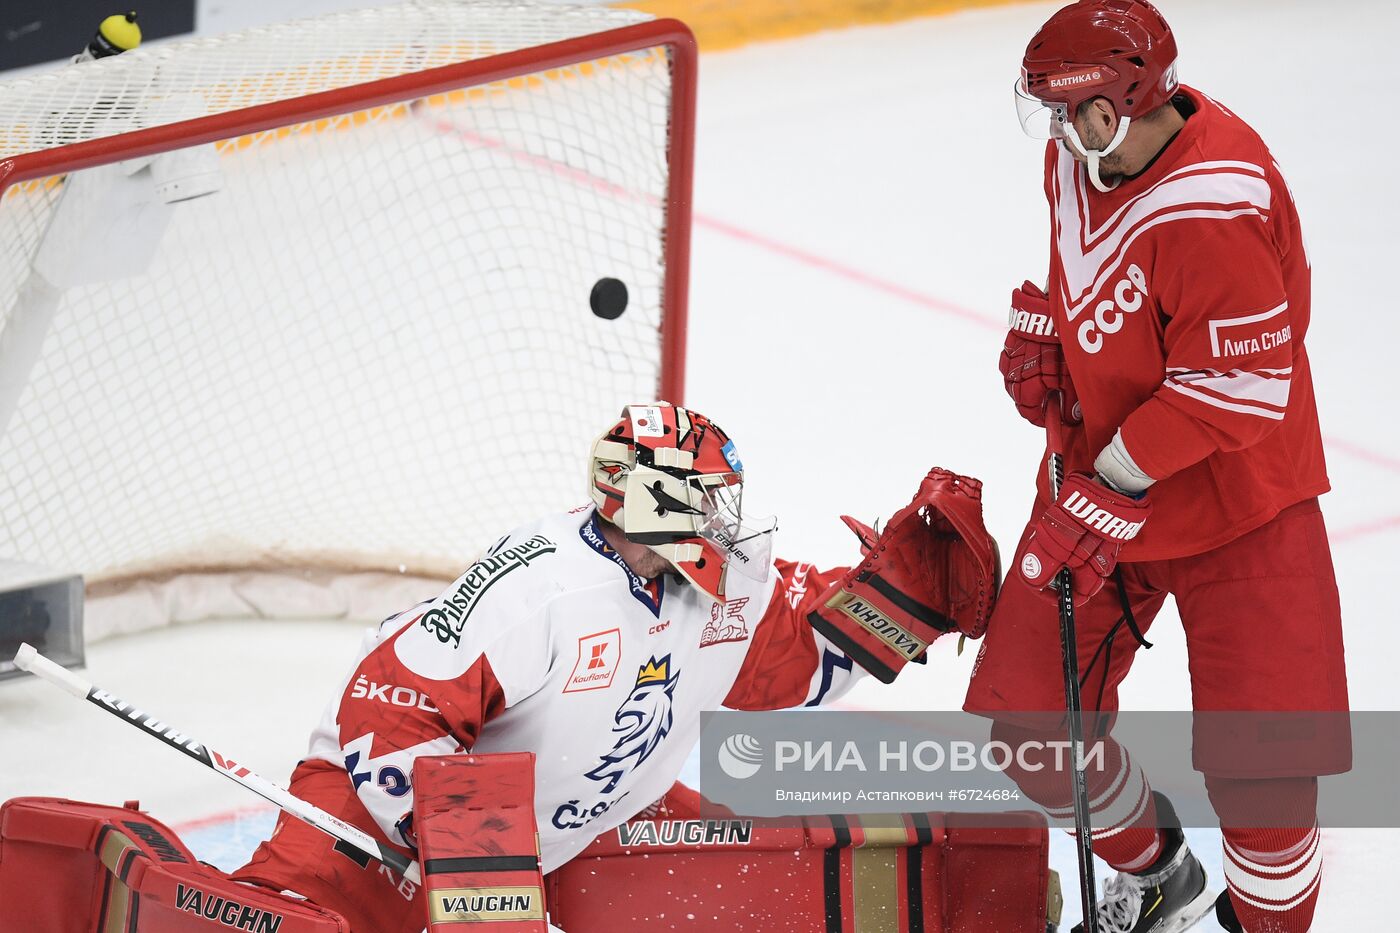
[[1123, 813], [1273, 851], [1124, 816], [1274, 877]]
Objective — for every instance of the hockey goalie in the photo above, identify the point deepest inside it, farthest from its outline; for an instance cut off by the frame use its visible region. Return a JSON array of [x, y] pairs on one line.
[[593, 640], [553, 692]]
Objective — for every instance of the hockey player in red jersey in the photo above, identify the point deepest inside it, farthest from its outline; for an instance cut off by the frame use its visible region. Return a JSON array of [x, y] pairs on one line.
[[1170, 341], [593, 640]]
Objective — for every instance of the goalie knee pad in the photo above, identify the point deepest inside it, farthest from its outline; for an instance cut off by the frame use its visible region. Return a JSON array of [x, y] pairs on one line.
[[474, 816]]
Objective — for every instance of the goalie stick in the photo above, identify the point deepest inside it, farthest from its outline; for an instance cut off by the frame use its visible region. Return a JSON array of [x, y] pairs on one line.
[[27, 658], [1074, 707]]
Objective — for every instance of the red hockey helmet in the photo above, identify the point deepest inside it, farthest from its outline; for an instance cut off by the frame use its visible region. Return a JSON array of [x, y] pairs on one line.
[[1122, 50], [670, 479]]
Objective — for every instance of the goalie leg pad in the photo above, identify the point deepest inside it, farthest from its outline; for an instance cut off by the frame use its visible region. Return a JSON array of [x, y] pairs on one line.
[[474, 816], [73, 867], [933, 569]]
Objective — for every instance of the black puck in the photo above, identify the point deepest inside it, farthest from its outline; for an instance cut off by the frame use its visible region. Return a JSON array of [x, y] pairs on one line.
[[609, 299]]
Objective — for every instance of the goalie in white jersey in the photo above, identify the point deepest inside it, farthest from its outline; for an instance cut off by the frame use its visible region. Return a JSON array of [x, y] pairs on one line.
[[594, 639]]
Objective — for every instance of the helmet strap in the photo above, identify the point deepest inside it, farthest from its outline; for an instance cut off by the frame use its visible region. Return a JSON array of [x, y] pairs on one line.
[[1094, 155]]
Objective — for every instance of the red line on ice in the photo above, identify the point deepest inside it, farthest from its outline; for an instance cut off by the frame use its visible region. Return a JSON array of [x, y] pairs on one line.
[[1362, 453], [846, 272], [587, 179], [218, 819], [1364, 529]]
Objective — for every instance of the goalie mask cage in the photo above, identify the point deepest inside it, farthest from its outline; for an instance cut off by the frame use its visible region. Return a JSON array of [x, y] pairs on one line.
[[318, 294]]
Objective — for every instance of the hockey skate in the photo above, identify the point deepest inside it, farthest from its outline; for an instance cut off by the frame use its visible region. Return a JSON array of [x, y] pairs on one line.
[[1169, 896], [1225, 914]]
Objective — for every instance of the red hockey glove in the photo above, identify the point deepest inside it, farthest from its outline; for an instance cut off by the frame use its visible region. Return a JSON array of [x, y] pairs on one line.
[[932, 569], [1032, 363], [1083, 530]]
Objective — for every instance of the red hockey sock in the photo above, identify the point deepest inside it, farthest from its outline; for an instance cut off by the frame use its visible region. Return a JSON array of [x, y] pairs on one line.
[[1274, 873], [1123, 813]]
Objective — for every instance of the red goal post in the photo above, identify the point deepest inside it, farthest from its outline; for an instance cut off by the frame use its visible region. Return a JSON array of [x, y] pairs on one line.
[[115, 419]]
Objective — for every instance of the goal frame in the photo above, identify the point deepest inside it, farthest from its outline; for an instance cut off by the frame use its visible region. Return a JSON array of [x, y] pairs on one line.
[[670, 33]]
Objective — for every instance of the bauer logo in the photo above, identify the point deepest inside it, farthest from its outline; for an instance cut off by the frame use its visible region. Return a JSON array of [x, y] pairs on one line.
[[473, 905], [740, 756]]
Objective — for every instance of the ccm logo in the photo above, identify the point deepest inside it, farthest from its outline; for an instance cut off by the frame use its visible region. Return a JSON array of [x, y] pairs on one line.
[[1128, 296]]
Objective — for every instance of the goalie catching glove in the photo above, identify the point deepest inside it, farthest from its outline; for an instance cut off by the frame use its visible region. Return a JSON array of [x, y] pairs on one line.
[[934, 568]]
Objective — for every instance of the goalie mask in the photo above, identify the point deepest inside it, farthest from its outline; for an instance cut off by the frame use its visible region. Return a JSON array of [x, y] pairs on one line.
[[670, 479]]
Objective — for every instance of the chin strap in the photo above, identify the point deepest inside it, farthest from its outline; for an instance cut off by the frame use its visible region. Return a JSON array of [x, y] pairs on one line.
[[1094, 155]]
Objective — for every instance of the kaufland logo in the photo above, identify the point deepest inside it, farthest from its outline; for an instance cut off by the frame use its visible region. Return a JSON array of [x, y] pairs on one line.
[[1077, 78]]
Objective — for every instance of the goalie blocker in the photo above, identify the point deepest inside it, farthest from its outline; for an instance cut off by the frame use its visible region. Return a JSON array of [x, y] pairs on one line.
[[932, 570]]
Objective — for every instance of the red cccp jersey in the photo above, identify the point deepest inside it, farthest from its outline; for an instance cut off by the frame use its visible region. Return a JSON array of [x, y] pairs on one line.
[[1182, 299]]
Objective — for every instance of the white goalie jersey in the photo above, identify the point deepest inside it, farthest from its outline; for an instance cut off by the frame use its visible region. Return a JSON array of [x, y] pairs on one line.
[[550, 644]]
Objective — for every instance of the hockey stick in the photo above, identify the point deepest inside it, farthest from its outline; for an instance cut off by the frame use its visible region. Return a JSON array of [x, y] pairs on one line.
[[1074, 707], [30, 660]]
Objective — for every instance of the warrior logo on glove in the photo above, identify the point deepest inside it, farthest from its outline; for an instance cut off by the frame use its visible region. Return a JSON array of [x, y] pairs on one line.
[[1084, 529]]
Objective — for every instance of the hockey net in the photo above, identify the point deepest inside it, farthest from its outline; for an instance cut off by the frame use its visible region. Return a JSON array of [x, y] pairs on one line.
[[317, 296]]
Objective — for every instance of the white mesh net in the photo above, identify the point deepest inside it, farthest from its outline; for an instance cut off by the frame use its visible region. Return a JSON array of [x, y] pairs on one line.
[[371, 345]]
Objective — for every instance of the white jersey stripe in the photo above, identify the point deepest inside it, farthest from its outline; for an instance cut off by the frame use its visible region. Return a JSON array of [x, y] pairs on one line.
[[1176, 370], [1101, 268], [1243, 409], [1238, 386], [1206, 190], [1197, 168]]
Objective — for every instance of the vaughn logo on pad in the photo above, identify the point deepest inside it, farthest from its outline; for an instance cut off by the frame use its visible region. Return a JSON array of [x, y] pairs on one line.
[[459, 905], [227, 912], [880, 625]]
